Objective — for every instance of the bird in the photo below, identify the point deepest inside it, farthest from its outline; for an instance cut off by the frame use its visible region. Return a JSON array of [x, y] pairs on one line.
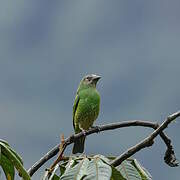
[[85, 109]]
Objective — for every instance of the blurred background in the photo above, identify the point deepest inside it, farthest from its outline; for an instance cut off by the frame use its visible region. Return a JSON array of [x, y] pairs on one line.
[[47, 47]]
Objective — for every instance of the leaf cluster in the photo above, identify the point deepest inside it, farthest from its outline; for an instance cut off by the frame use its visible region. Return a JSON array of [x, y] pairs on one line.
[[96, 168], [76, 167]]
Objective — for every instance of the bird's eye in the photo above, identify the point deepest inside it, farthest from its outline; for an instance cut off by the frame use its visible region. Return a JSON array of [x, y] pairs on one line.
[[88, 78]]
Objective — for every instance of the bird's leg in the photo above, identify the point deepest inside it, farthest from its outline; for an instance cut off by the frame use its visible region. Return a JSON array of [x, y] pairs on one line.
[[84, 132]]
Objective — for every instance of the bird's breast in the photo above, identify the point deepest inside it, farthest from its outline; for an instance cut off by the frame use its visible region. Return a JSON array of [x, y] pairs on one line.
[[88, 109]]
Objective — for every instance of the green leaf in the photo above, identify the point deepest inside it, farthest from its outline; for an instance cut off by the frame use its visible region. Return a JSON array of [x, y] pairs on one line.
[[105, 159], [116, 174], [98, 170], [62, 169], [14, 159], [70, 163], [7, 167], [145, 175], [128, 171], [5, 144], [54, 171], [94, 169], [55, 177], [17, 155], [75, 172]]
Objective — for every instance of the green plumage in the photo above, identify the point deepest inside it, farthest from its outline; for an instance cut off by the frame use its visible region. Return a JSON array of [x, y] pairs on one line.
[[86, 108]]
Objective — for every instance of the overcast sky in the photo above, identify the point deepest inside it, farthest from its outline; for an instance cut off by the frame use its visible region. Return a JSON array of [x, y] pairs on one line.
[[47, 47]]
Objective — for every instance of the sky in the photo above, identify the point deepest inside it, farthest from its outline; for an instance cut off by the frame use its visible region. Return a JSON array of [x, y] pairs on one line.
[[47, 47]]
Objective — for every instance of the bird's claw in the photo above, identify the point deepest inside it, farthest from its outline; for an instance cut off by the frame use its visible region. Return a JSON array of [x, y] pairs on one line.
[[84, 132]]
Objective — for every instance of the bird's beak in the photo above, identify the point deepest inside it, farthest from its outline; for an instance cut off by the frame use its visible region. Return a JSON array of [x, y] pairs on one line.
[[96, 78]]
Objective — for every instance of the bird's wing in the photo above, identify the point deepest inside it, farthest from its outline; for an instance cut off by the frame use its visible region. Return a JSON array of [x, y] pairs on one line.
[[76, 101]]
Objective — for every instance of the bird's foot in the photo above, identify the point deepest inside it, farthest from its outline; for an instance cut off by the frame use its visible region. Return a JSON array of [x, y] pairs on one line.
[[97, 128], [84, 132]]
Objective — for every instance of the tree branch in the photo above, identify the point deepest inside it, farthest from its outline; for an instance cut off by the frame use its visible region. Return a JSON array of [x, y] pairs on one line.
[[133, 150], [149, 142]]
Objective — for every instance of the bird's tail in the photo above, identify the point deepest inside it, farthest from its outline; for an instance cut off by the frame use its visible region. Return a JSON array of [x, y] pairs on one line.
[[78, 145]]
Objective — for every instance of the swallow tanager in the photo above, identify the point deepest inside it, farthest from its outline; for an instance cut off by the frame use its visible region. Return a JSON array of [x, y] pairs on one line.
[[85, 109]]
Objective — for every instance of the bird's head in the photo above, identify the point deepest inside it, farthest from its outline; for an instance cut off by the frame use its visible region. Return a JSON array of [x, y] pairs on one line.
[[89, 81]]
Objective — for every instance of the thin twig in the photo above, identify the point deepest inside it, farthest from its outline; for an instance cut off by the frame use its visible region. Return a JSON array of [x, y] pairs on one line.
[[147, 142], [62, 148], [106, 127]]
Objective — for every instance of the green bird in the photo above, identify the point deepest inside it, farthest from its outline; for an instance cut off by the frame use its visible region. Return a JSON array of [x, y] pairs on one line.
[[85, 109]]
